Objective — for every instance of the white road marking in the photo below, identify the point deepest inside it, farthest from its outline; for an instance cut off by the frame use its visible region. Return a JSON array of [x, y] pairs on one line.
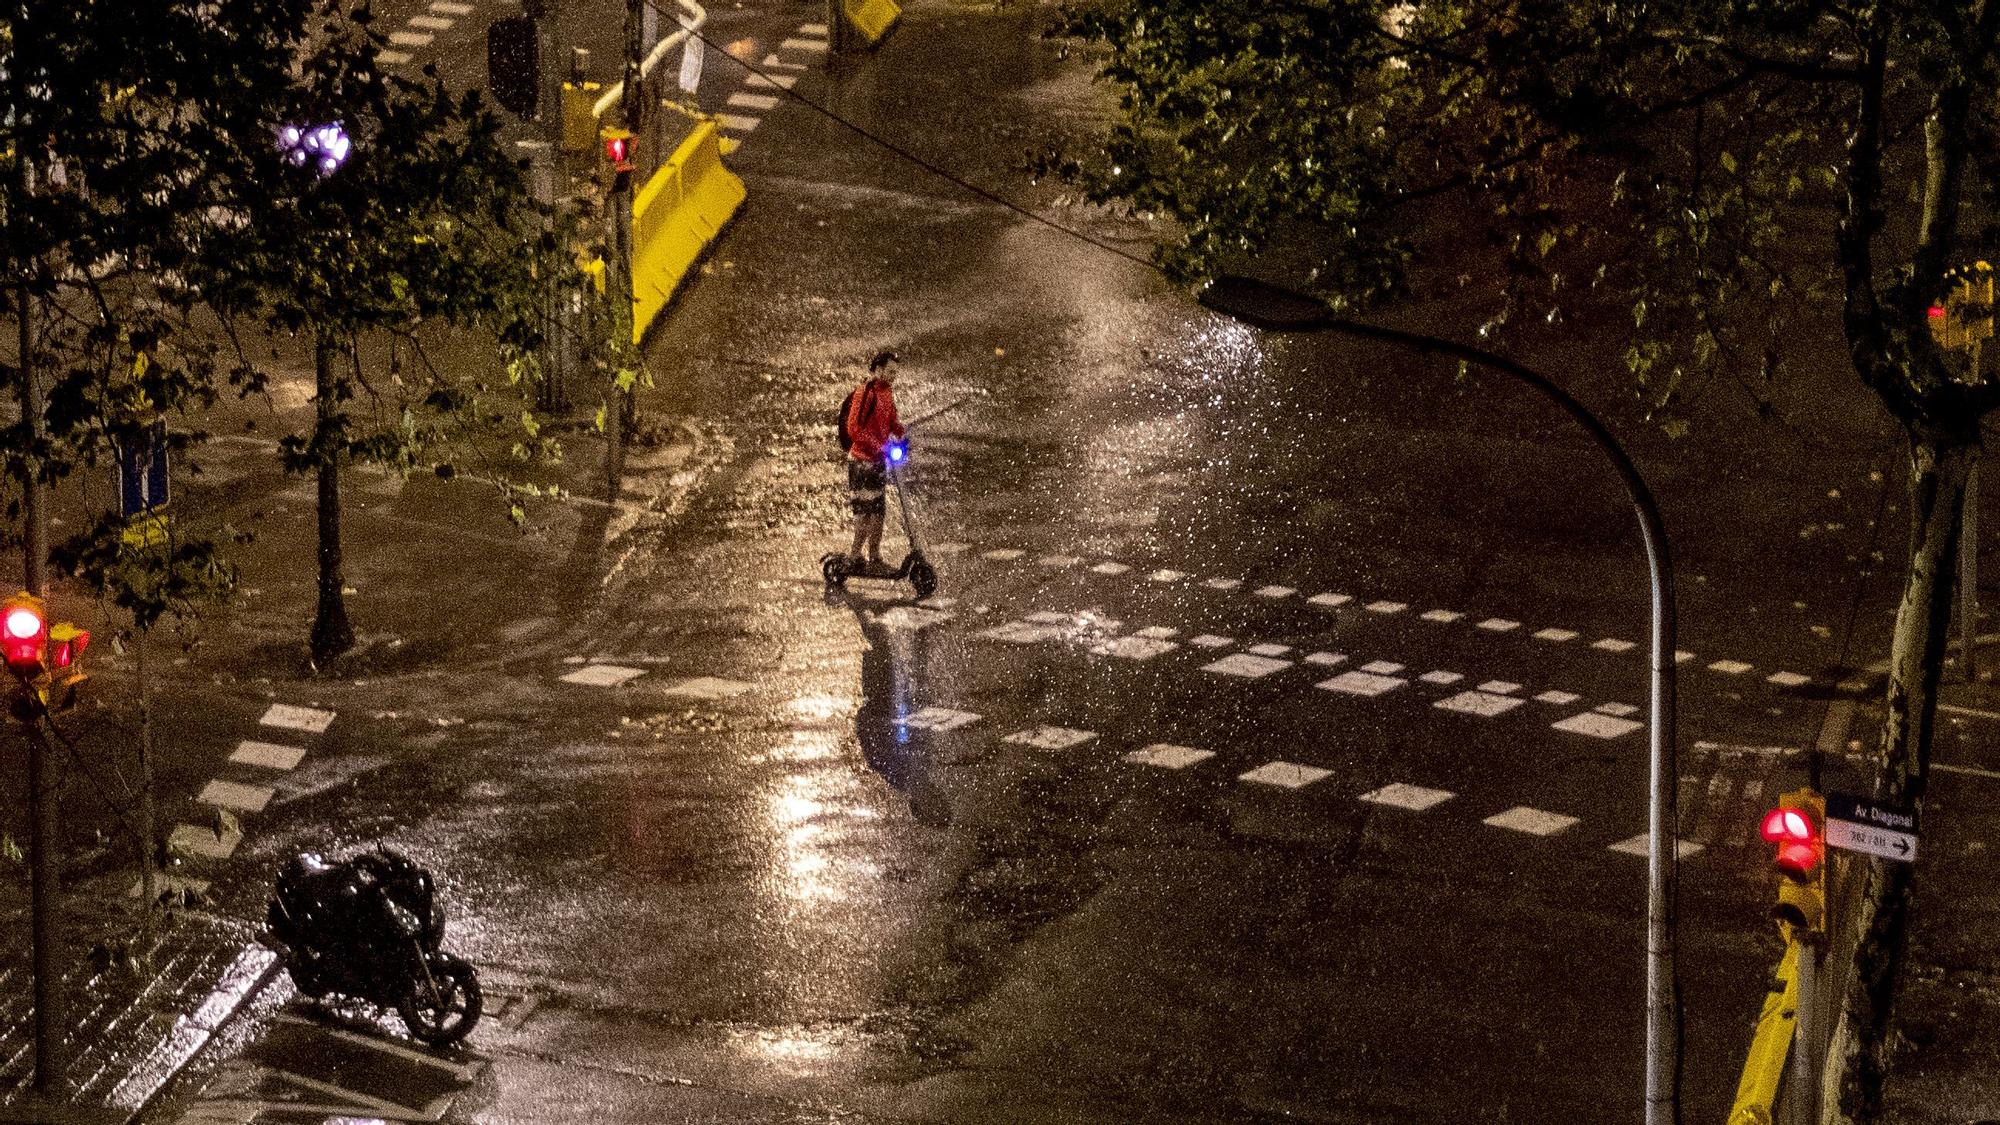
[[393, 58], [743, 124], [231, 795], [1729, 667], [602, 675], [1325, 658], [1596, 725], [1020, 633], [411, 38], [708, 687], [803, 45], [1166, 576], [1620, 710], [269, 755], [1557, 635], [1287, 775], [1382, 667], [769, 82], [1610, 644], [1274, 591], [1247, 666], [773, 62], [1500, 687], [1050, 738], [1361, 683], [1050, 617], [1682, 656], [1110, 568], [1168, 756], [1973, 712], [907, 617], [1640, 845], [1441, 677], [1053, 562], [940, 718], [201, 840], [1134, 648], [1499, 625], [1223, 583], [451, 7], [1851, 687], [431, 23], [1329, 599], [1210, 640], [949, 548], [818, 29], [1156, 632], [1973, 771], [1483, 704], [1416, 798], [1268, 650], [1443, 616], [1534, 822], [766, 102], [1787, 679], [1003, 554], [312, 720], [1558, 698], [1386, 607]]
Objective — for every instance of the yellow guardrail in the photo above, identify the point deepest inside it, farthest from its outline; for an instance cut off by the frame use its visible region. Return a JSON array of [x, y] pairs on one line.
[[1764, 1067], [675, 216], [871, 18]]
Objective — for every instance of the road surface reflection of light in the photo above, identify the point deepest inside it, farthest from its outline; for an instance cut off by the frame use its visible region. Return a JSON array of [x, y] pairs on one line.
[[789, 1046], [808, 746], [803, 869], [822, 705]]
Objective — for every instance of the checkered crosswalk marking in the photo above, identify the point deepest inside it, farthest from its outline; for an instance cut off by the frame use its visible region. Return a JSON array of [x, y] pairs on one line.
[[1285, 775], [1329, 599], [940, 719], [1274, 592], [235, 796], [1618, 709], [1166, 576], [1442, 616], [1641, 845], [1382, 667], [1441, 677], [1730, 667], [1168, 756], [1534, 822], [752, 101], [709, 687], [1500, 687], [1134, 648], [602, 675], [1386, 607], [1596, 726], [1247, 666], [1415, 798], [1610, 644], [1325, 658], [1361, 683], [1499, 625], [269, 755], [1480, 703], [1556, 635], [1050, 738], [1223, 583], [1110, 568], [1560, 698]]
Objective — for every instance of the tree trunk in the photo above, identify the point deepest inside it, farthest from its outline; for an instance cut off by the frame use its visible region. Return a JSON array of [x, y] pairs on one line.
[[1939, 469], [331, 633]]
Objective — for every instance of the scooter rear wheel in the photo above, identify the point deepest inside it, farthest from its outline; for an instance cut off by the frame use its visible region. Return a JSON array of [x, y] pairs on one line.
[[833, 568], [447, 1015], [923, 577]]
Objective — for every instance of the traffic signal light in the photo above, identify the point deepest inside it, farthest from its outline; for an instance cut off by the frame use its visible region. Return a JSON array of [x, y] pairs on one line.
[[58, 687], [1796, 826], [24, 633], [1965, 316], [618, 148]]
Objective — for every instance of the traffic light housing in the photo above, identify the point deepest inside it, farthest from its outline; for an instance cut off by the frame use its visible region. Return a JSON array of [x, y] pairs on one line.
[[1964, 316], [58, 687], [24, 633], [618, 147], [1797, 828]]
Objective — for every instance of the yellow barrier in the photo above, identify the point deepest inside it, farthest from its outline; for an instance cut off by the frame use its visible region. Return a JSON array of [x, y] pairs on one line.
[[1764, 1067], [872, 18], [676, 215]]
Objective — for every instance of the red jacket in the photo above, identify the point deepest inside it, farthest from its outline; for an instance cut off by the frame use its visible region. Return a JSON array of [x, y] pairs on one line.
[[871, 422]]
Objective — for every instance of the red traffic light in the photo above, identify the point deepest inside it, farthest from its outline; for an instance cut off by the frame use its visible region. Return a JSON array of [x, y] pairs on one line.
[[24, 632], [618, 149], [1798, 838], [66, 645]]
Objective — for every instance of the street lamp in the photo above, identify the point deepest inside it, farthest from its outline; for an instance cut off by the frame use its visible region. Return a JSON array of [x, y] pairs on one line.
[[1263, 305]]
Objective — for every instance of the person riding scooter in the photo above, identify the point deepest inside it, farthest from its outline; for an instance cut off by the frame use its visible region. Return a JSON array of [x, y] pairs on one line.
[[872, 428]]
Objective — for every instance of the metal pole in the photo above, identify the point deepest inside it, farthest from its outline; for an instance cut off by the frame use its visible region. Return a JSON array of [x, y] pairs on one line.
[[42, 891], [1804, 1098], [1968, 575], [1663, 1029]]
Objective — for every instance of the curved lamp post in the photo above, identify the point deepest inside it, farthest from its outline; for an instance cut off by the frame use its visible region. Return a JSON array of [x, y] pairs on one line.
[[1271, 307]]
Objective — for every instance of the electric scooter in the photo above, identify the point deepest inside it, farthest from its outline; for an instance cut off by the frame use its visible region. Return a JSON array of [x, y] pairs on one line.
[[837, 568]]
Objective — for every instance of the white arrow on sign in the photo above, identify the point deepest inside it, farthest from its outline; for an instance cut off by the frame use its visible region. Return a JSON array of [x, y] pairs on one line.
[[1870, 840]]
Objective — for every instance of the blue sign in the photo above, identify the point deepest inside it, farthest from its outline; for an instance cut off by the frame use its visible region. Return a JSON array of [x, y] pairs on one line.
[[142, 472]]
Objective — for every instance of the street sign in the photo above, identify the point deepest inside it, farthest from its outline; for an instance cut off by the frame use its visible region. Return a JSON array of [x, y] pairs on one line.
[[142, 472], [1857, 824], [691, 60]]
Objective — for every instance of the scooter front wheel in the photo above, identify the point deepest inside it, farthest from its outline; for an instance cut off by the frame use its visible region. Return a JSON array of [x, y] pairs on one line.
[[443, 1009], [923, 577]]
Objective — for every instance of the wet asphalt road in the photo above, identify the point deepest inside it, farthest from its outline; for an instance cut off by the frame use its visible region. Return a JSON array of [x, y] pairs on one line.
[[1179, 803]]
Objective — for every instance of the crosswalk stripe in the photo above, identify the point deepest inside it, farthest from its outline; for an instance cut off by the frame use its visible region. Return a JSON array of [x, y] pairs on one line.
[[753, 101], [411, 38], [431, 23]]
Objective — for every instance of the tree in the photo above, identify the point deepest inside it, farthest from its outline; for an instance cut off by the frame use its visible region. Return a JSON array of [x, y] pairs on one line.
[[421, 219], [1708, 165]]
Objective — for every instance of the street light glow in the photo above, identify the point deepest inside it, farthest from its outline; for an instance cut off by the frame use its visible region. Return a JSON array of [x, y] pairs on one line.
[[324, 145]]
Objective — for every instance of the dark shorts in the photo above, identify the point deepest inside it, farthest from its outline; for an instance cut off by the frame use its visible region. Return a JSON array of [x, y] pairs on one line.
[[867, 486]]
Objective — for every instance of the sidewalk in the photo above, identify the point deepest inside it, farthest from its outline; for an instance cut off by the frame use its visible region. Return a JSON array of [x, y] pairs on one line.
[[441, 584]]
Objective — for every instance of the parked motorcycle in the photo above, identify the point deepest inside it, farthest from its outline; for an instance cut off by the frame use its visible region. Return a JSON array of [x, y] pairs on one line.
[[371, 928]]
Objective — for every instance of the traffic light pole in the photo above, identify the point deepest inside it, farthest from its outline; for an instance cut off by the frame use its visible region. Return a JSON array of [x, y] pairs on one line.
[[41, 889]]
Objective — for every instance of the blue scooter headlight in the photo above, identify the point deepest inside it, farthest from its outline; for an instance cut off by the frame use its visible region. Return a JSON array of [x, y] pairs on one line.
[[897, 451]]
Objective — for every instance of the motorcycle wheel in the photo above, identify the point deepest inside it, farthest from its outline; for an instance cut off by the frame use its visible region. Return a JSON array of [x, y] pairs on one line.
[[924, 578], [448, 1015]]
